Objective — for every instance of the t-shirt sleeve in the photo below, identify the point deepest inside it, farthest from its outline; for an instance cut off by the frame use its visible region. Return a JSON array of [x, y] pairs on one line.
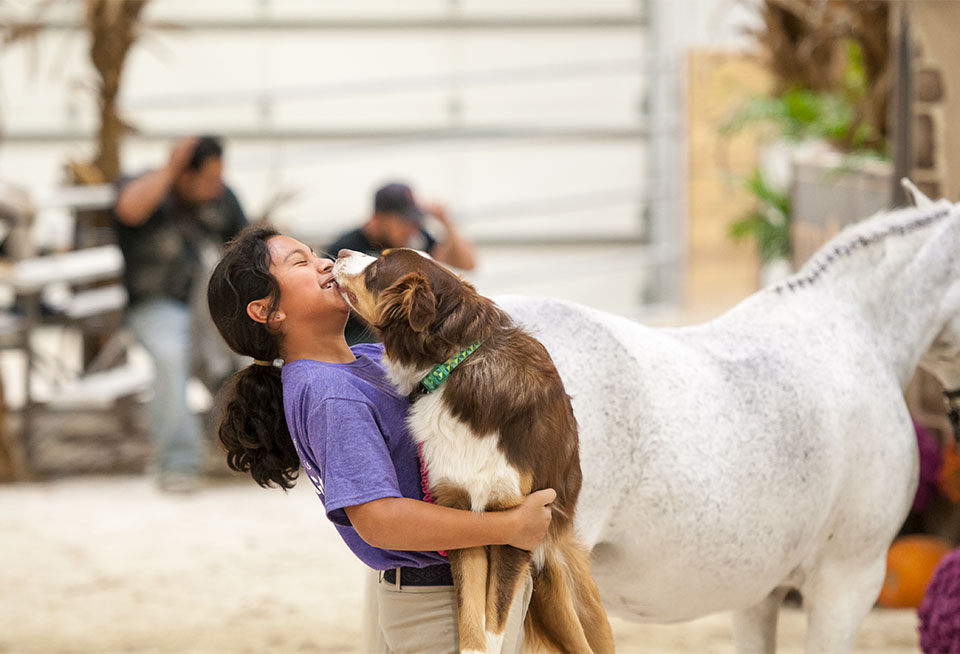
[[429, 241], [118, 187], [354, 461]]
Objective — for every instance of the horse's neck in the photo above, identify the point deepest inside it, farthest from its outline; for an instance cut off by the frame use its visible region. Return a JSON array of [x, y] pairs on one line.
[[898, 278]]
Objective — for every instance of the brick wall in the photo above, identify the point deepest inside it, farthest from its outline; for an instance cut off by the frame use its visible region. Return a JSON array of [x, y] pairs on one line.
[[935, 53], [935, 45]]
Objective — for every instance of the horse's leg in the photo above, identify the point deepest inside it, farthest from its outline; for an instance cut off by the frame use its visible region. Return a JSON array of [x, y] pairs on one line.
[[755, 628], [837, 597]]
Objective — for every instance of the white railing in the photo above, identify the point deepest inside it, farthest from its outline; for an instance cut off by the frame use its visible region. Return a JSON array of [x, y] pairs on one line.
[[42, 380]]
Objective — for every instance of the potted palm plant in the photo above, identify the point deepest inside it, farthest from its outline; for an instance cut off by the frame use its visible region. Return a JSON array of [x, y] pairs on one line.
[[825, 123]]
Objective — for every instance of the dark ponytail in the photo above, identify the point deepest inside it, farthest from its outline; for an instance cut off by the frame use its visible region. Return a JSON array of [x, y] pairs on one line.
[[252, 427]]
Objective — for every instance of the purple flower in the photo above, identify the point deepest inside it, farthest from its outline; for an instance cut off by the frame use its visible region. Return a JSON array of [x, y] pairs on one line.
[[940, 611], [930, 462]]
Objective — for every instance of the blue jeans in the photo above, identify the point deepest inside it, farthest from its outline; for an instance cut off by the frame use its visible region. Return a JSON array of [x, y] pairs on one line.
[[164, 328]]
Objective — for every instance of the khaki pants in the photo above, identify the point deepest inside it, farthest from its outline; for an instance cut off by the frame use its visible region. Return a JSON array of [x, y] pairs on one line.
[[423, 620]]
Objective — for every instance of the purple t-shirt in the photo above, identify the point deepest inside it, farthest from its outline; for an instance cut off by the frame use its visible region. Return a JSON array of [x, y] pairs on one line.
[[349, 427]]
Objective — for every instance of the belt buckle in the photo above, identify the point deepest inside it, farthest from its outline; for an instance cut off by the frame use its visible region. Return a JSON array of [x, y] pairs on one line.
[[384, 577]]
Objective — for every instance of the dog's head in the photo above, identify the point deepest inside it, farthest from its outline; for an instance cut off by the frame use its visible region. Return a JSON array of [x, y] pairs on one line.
[[424, 312]]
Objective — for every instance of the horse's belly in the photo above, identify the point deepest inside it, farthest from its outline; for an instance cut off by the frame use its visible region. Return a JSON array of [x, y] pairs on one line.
[[663, 586], [703, 528], [658, 568]]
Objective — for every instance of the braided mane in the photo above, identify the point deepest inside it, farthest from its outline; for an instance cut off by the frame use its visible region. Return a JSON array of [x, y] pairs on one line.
[[860, 236]]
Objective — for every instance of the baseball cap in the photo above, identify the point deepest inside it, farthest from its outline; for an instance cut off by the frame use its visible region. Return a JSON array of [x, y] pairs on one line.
[[397, 198]]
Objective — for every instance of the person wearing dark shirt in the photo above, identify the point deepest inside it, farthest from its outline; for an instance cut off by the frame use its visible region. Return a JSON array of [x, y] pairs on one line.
[[166, 221], [397, 221]]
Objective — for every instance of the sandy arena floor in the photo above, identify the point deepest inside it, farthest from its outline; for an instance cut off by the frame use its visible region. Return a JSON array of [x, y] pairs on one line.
[[109, 565]]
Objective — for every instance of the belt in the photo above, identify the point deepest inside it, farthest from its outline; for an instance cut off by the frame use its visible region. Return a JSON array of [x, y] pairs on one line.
[[432, 575]]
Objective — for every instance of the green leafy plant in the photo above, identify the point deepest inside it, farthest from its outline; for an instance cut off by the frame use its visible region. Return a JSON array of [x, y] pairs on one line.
[[768, 224], [800, 113]]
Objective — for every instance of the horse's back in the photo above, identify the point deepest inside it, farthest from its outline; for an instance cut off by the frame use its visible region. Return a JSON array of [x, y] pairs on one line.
[[692, 439]]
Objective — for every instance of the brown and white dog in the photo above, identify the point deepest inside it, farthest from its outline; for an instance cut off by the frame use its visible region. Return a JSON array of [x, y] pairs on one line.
[[500, 427]]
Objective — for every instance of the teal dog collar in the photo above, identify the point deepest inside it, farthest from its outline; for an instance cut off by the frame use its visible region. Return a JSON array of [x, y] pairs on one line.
[[441, 371]]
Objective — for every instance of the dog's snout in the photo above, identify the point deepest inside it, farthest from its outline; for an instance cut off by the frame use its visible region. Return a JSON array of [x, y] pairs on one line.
[[351, 263]]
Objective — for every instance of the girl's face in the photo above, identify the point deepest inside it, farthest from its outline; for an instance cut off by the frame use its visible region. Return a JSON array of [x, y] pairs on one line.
[[307, 288]]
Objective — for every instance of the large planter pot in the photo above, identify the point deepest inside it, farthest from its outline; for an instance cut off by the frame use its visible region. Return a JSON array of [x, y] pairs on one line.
[[831, 190]]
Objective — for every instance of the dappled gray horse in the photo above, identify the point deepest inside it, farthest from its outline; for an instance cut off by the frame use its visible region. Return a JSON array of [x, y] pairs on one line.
[[768, 449]]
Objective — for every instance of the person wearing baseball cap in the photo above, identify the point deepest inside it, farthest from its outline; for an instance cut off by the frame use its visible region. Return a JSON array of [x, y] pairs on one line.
[[397, 221]]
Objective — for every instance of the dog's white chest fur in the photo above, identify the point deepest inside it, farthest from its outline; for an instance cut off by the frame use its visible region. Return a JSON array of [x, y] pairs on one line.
[[454, 454]]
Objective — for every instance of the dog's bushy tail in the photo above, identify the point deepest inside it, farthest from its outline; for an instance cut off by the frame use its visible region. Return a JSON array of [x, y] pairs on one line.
[[565, 613]]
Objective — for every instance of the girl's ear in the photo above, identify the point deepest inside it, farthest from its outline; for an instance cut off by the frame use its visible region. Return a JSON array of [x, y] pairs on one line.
[[259, 311]]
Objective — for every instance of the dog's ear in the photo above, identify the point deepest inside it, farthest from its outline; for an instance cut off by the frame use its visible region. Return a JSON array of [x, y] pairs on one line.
[[411, 299]]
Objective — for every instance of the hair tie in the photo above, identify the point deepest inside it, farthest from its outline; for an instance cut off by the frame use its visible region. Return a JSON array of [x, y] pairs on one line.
[[260, 362]]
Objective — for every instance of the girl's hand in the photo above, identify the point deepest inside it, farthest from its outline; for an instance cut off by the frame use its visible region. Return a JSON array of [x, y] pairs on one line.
[[532, 519]]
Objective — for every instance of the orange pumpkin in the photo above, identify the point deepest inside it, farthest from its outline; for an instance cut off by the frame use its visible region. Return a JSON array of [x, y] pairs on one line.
[[949, 478], [911, 561]]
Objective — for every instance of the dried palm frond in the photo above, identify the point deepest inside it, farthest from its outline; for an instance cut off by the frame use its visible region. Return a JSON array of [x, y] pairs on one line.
[[806, 44], [114, 26]]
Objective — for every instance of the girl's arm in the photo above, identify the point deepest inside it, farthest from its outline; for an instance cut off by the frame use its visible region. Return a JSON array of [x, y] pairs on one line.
[[400, 523]]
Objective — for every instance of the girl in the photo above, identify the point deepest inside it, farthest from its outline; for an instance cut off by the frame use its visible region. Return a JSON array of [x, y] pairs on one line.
[[331, 409]]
